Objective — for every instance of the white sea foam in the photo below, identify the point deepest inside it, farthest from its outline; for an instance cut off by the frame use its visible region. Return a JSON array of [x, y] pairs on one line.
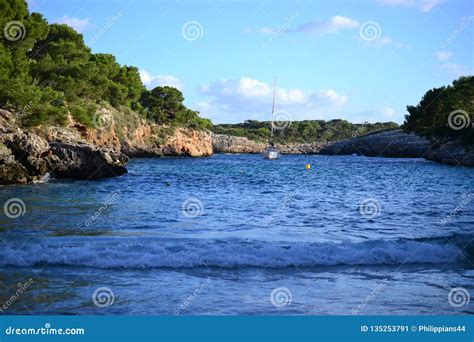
[[44, 179], [150, 253]]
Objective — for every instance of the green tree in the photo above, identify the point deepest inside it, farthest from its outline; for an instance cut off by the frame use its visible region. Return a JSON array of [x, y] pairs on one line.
[[431, 116], [47, 70]]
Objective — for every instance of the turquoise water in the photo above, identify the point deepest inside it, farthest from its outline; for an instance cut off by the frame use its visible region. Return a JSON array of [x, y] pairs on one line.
[[236, 234]]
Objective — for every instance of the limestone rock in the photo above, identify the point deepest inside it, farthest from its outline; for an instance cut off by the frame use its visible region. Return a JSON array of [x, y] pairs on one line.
[[393, 143]]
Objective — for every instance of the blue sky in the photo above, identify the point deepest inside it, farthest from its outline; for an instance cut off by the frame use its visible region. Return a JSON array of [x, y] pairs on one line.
[[356, 60]]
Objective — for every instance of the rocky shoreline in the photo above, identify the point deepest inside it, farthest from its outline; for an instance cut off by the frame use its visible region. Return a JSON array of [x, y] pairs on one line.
[[398, 144], [26, 157], [222, 143], [78, 152], [452, 153], [393, 143]]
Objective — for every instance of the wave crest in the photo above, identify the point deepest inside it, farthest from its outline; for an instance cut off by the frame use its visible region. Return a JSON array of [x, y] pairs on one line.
[[182, 253]]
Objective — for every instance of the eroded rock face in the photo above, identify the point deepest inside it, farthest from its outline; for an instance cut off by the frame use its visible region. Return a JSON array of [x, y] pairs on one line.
[[310, 148], [397, 143], [189, 143], [182, 142], [21, 154], [452, 153], [26, 157], [222, 143], [79, 152], [85, 161], [394, 143], [11, 171]]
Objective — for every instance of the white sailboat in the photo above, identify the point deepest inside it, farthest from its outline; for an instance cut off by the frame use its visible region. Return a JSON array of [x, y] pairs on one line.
[[271, 152]]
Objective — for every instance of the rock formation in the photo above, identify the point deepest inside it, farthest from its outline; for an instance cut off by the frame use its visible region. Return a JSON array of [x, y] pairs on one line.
[[79, 152], [222, 143], [396, 143], [393, 143], [26, 157]]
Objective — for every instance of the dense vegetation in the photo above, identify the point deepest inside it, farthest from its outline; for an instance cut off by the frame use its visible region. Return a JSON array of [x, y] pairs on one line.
[[165, 105], [301, 131], [445, 112], [47, 70]]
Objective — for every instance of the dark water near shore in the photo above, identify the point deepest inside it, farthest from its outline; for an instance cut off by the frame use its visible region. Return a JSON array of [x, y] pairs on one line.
[[236, 234]]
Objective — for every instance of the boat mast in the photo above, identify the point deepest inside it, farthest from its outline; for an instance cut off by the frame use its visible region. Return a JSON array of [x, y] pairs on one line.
[[273, 107]]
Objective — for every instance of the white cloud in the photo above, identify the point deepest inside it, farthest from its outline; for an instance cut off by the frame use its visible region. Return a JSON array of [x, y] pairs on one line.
[[152, 81], [422, 5], [456, 70], [317, 27], [443, 56], [246, 98], [267, 30], [383, 41], [80, 25], [333, 25]]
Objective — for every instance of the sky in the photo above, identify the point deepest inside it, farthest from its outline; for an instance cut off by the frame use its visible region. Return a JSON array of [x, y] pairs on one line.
[[360, 60]]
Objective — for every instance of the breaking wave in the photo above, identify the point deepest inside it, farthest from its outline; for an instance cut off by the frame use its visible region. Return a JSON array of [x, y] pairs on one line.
[[148, 252]]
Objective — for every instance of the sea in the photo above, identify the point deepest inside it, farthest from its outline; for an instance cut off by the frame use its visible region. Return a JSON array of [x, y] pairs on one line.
[[241, 235]]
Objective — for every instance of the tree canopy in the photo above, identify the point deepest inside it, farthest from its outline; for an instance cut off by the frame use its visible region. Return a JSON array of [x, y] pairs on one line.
[[164, 105], [445, 112], [306, 131], [48, 70]]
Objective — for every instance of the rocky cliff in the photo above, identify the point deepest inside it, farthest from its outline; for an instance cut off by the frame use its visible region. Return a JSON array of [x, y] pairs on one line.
[[182, 142], [133, 135], [452, 153], [76, 151], [397, 143], [27, 157], [80, 152], [222, 143], [394, 143]]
